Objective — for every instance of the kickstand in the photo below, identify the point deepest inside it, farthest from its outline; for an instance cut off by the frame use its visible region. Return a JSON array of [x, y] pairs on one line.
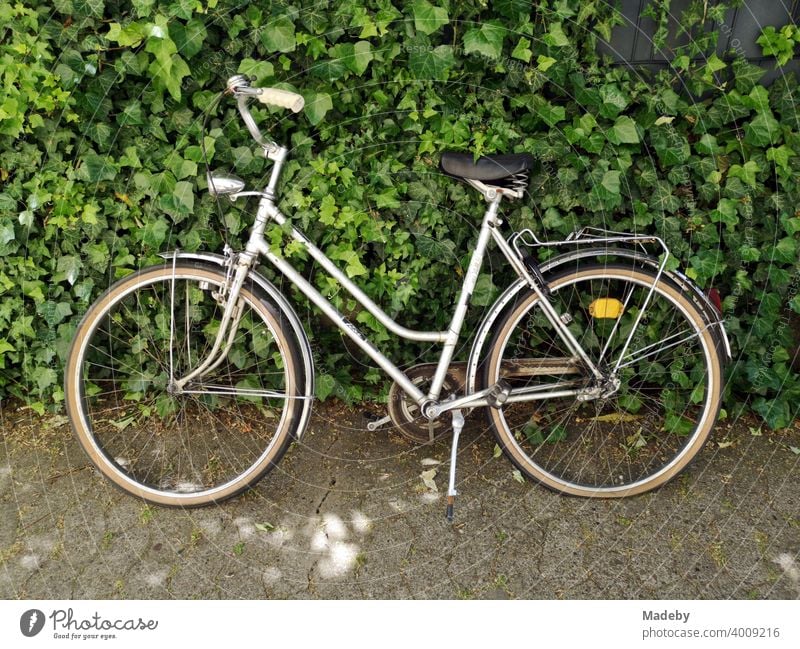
[[458, 426]]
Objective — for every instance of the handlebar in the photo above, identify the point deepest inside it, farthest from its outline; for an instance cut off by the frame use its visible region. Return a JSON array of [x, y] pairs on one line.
[[239, 87], [282, 99]]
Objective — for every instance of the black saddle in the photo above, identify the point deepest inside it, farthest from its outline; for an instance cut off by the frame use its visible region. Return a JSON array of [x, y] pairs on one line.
[[489, 167]]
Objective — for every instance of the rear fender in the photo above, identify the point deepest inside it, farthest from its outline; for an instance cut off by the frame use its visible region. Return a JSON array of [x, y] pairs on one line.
[[712, 316]]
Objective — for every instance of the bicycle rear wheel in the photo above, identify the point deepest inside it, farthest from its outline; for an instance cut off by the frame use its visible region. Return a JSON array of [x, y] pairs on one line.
[[224, 430], [643, 434]]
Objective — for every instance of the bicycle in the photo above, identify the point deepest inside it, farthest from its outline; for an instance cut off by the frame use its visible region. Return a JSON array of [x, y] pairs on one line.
[[187, 381]]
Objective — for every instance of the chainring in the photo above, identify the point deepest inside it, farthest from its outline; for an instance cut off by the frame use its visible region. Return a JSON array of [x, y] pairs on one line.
[[405, 413]]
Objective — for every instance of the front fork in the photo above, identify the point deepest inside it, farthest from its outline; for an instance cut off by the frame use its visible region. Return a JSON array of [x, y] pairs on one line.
[[238, 268]]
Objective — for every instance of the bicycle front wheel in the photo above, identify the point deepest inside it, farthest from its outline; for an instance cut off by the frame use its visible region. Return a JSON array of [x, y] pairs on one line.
[[651, 427], [223, 430]]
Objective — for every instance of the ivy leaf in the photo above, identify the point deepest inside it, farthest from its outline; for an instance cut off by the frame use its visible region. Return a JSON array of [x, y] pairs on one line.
[[706, 264], [746, 75], [762, 130], [550, 114], [746, 173], [556, 37], [362, 55], [544, 63], [154, 232], [355, 56], [278, 35], [485, 290], [428, 18], [68, 268], [261, 70], [780, 156], [671, 147], [611, 181], [523, 53], [184, 193], [486, 39], [613, 100], [129, 36], [707, 144], [431, 64], [776, 412], [324, 386], [44, 377], [54, 312], [623, 132], [317, 104], [96, 168], [786, 251], [725, 213]]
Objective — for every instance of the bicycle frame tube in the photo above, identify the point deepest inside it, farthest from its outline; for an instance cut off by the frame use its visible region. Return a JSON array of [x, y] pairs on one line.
[[258, 245]]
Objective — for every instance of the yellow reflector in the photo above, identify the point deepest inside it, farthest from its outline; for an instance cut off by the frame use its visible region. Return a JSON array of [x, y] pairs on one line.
[[606, 307]]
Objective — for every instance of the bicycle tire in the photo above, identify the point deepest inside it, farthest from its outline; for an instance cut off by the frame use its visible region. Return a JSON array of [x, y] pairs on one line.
[[197, 448], [606, 457]]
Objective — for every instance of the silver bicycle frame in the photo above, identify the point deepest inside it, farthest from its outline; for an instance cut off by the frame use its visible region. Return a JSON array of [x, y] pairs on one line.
[[258, 246]]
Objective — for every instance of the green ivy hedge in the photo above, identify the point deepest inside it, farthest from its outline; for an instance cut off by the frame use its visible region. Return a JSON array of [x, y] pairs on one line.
[[102, 159]]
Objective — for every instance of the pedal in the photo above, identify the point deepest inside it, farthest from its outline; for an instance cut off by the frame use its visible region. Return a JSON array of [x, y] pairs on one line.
[[498, 394]]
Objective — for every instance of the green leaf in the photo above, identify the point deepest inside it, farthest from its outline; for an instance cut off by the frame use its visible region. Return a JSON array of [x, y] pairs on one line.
[[746, 173], [786, 251], [780, 156], [129, 36], [671, 147], [261, 70], [725, 213], [551, 114], [354, 56], [278, 35], [486, 40], [623, 132], [95, 168], [362, 55], [429, 63], [544, 63], [324, 386], [611, 181], [427, 17], [68, 268], [484, 292], [317, 105], [154, 232], [763, 130], [184, 193], [613, 101], [264, 527], [776, 412], [44, 377], [523, 53], [555, 37], [707, 144], [746, 75]]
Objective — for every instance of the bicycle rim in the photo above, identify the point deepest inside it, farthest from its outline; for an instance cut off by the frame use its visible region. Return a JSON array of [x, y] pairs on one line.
[[643, 434], [227, 427]]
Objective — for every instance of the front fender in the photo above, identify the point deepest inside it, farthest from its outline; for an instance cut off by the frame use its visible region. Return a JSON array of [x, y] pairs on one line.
[[684, 283], [281, 303]]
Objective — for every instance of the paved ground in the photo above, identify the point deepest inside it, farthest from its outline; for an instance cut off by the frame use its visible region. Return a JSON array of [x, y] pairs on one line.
[[353, 519]]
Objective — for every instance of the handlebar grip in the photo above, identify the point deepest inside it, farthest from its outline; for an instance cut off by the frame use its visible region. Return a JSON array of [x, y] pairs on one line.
[[282, 99]]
